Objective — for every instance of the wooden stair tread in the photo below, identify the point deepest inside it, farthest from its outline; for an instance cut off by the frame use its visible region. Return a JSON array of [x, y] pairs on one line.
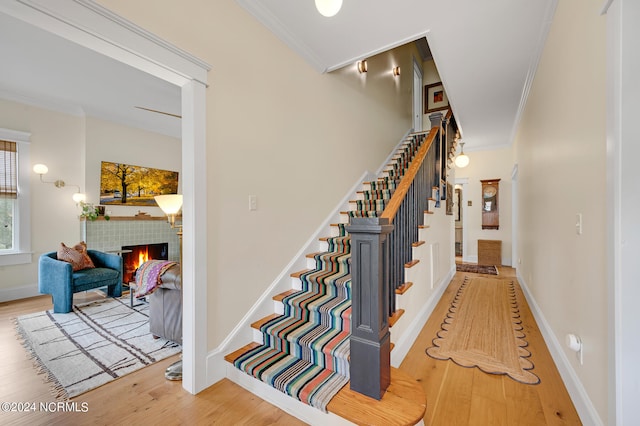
[[279, 297], [299, 273], [404, 288], [428, 212], [404, 403], [417, 244], [393, 319], [424, 226], [411, 264], [261, 322], [235, 354]]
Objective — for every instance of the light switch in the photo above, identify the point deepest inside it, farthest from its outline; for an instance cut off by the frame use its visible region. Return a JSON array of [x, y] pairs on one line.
[[579, 224], [253, 202]]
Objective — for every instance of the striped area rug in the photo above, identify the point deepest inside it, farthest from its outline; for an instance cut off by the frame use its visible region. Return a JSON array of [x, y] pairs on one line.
[[305, 351]]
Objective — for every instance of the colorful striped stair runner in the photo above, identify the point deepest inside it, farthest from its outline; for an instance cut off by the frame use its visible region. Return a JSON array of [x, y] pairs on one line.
[[305, 351]]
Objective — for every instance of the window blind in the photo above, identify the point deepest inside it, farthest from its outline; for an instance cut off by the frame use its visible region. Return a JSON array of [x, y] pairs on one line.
[[8, 170]]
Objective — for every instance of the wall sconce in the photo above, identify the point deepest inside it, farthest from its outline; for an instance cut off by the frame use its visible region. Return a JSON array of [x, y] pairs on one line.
[[328, 8], [396, 71], [362, 66], [42, 169], [462, 160]]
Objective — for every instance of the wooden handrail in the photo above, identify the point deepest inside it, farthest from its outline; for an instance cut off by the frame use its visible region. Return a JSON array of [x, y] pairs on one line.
[[399, 194]]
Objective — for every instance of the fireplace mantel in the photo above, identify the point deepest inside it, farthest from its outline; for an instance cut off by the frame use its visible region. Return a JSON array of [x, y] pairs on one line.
[[137, 217]]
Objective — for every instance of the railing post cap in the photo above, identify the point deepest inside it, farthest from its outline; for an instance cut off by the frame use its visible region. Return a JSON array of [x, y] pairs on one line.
[[369, 225]]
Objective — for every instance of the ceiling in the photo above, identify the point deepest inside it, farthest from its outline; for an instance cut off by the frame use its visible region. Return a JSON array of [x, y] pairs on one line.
[[80, 81], [486, 54]]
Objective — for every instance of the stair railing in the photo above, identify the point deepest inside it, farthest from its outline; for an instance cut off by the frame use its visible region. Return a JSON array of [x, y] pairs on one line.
[[380, 248]]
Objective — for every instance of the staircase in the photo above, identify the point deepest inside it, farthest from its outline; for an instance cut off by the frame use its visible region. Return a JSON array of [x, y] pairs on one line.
[[304, 348]]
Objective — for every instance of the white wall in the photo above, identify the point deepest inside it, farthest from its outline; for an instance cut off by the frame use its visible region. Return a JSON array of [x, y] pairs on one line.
[[72, 147], [277, 129], [561, 156]]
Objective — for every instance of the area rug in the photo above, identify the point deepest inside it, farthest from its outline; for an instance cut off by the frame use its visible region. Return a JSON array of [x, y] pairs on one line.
[[483, 329], [476, 269], [93, 344]]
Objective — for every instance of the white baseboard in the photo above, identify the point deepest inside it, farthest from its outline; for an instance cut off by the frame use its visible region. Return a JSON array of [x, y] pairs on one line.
[[586, 410], [15, 293], [404, 342]]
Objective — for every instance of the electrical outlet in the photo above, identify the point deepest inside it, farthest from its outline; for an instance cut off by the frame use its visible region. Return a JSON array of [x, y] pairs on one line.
[[253, 202]]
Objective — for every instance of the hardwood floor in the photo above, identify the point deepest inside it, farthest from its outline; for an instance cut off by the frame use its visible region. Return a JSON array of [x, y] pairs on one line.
[[455, 395], [466, 396]]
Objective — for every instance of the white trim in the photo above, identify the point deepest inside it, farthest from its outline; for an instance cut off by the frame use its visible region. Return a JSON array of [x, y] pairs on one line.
[[465, 228], [15, 293], [408, 338], [86, 23], [586, 410], [514, 216], [21, 253], [533, 66]]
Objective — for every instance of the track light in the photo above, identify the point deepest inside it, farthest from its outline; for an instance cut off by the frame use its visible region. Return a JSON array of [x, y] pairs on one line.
[[362, 66], [396, 71]]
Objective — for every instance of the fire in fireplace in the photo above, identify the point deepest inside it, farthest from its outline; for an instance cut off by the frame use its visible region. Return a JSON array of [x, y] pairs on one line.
[[140, 254]]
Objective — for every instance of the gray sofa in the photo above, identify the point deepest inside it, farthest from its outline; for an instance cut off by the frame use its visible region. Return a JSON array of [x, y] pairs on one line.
[[165, 306]]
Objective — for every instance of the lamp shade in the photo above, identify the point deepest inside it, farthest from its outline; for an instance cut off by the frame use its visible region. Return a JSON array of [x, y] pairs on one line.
[[328, 8], [462, 160], [170, 203], [40, 169], [79, 196]]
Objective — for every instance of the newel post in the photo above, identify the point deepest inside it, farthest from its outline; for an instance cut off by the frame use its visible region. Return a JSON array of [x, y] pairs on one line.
[[370, 362]]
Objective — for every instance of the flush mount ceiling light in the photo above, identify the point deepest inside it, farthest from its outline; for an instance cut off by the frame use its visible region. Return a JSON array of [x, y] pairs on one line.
[[362, 66], [328, 8], [396, 71], [462, 160]]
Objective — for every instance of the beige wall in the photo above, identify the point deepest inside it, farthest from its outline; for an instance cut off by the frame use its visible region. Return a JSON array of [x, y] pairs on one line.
[[493, 164], [277, 129], [72, 147], [107, 141], [560, 151], [57, 140]]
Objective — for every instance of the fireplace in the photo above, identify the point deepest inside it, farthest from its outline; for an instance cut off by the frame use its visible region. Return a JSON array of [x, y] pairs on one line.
[[139, 254]]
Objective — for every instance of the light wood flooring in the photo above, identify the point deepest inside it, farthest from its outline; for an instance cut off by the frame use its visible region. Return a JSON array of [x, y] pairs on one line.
[[455, 395]]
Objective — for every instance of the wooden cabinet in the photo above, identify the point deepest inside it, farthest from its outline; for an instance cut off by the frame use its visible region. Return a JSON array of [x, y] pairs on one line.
[[490, 207], [490, 252]]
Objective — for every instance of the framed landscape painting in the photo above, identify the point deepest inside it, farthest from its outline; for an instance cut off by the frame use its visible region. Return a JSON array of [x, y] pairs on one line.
[[128, 185], [435, 99]]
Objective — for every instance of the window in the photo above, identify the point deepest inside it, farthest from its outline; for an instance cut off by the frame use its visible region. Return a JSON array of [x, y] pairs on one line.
[[15, 244]]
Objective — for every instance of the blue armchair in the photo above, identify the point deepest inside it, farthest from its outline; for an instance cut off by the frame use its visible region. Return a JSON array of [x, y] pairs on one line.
[[56, 277]]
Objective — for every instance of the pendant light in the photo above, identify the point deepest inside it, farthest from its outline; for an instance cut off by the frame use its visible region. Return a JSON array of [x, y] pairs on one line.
[[462, 160], [328, 8]]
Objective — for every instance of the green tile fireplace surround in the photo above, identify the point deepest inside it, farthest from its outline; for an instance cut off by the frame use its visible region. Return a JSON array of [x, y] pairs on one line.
[[121, 231]]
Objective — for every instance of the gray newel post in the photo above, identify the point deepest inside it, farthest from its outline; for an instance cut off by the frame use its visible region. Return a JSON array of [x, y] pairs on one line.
[[436, 119], [370, 362]]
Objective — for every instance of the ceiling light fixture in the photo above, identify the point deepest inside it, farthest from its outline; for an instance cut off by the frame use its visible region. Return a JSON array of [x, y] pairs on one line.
[[462, 160], [362, 66], [328, 8], [396, 71], [42, 169]]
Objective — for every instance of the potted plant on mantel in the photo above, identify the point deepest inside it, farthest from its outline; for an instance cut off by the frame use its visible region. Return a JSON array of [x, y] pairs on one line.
[[90, 212]]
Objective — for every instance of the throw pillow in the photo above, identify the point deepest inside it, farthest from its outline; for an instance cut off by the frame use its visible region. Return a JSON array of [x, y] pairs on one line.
[[77, 256]]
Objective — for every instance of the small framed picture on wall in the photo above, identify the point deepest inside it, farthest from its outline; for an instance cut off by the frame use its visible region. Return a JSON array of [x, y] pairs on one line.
[[435, 99]]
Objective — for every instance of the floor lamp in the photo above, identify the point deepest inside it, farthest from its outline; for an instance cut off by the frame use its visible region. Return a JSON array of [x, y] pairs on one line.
[[171, 205]]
